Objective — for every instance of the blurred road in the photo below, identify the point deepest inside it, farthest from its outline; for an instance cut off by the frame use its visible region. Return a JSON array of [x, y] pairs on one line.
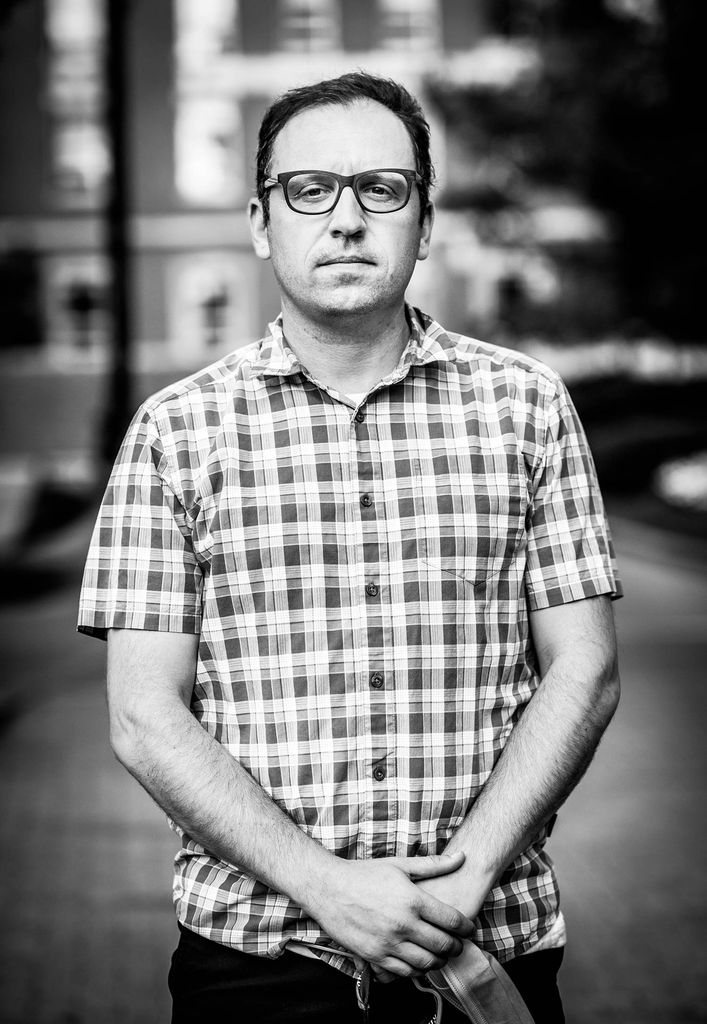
[[85, 856], [631, 845]]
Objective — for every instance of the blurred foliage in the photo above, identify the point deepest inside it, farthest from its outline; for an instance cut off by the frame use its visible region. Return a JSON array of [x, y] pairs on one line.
[[634, 429], [610, 109], [6, 8]]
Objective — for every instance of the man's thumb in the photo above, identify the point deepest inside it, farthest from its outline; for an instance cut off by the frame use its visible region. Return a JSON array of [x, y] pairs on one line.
[[435, 864]]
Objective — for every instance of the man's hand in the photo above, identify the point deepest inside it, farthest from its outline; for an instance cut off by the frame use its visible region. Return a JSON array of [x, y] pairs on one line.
[[374, 909], [460, 889], [546, 753]]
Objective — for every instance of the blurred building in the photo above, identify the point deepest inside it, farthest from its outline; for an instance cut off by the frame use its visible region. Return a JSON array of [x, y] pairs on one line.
[[201, 75]]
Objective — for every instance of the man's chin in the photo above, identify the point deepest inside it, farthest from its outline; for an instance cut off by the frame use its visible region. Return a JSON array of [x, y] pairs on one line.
[[348, 299]]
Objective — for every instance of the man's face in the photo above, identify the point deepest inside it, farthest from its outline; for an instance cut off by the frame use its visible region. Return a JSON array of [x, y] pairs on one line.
[[380, 249]]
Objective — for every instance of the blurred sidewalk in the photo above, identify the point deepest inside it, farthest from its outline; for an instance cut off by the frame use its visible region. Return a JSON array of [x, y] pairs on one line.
[[86, 857]]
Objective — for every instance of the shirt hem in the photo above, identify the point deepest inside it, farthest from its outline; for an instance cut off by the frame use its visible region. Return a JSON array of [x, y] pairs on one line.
[[99, 625], [579, 590]]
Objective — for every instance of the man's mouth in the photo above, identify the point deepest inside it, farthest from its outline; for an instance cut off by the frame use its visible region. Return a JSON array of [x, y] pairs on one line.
[[344, 259]]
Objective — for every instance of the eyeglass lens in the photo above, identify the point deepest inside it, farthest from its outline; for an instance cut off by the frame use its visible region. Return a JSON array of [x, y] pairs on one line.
[[378, 192]]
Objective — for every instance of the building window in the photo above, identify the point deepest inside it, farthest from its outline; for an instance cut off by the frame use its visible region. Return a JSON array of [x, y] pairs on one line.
[[409, 24], [79, 166], [309, 25], [76, 308], [205, 31], [76, 25], [209, 165], [79, 162], [208, 138], [210, 300]]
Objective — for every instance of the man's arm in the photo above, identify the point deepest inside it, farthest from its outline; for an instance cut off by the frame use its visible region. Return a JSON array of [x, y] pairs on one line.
[[546, 754], [372, 908]]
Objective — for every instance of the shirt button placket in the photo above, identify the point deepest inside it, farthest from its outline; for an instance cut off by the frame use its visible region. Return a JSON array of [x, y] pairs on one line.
[[366, 502], [379, 725]]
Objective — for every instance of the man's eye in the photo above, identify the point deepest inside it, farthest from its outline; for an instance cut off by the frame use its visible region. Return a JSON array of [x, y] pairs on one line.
[[383, 189], [378, 189], [314, 190]]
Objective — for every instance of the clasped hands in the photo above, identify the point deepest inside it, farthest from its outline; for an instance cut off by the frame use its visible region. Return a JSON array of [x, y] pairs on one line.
[[391, 912]]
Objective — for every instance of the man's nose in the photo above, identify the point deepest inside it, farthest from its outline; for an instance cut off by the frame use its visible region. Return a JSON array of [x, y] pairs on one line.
[[347, 217]]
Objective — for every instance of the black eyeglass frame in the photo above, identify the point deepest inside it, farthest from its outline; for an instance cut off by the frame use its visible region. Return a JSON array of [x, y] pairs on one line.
[[344, 181]]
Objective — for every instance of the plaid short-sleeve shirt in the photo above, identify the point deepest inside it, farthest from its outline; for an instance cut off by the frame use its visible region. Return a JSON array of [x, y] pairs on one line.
[[360, 577]]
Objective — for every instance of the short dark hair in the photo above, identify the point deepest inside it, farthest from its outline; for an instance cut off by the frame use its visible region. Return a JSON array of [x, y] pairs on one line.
[[343, 91]]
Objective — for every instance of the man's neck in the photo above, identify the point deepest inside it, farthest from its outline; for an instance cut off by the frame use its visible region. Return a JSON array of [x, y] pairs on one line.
[[353, 353]]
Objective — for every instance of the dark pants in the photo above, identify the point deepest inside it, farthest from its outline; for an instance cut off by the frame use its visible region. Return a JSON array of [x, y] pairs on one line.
[[210, 982]]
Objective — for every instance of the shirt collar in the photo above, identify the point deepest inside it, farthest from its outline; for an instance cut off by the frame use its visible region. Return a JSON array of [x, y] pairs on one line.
[[429, 343]]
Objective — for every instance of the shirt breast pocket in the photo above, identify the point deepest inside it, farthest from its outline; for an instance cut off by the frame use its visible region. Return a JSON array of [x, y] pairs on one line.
[[473, 503]]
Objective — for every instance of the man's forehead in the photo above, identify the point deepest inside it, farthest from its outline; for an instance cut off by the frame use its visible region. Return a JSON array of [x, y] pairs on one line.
[[363, 130]]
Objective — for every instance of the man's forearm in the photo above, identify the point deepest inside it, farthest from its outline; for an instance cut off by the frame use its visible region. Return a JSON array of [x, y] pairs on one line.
[[546, 754], [215, 800], [371, 907]]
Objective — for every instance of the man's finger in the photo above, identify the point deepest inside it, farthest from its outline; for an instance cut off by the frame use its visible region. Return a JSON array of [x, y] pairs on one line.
[[393, 965], [382, 975], [440, 943], [445, 917], [418, 959], [430, 867]]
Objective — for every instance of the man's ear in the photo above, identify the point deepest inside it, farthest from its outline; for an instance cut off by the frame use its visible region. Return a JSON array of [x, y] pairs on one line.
[[258, 229], [426, 232]]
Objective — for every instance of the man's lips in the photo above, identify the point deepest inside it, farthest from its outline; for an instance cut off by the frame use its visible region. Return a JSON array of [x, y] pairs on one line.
[[336, 260]]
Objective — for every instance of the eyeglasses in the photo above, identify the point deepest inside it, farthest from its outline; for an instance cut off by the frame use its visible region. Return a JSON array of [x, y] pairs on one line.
[[383, 190]]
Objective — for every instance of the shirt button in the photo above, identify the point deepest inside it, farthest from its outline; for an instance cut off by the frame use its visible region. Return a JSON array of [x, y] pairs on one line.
[[366, 500], [379, 773], [360, 416], [371, 589], [376, 680]]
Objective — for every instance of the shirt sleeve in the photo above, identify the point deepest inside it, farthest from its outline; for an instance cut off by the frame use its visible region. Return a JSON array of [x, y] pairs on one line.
[[570, 554], [141, 570]]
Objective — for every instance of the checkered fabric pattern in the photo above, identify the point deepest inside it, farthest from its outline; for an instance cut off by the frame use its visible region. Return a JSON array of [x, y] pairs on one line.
[[361, 577]]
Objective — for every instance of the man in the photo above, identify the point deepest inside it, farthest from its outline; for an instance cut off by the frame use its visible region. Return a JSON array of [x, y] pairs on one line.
[[355, 580]]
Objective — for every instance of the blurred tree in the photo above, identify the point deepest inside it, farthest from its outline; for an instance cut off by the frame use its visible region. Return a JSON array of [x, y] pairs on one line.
[[651, 163], [599, 98], [6, 8]]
